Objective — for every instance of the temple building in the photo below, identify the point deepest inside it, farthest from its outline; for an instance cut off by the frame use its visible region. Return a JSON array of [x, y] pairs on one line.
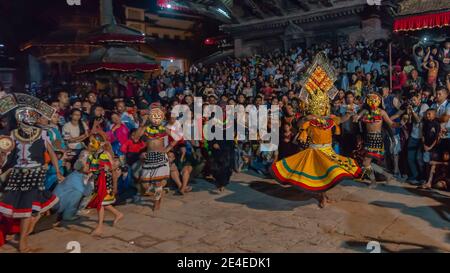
[[256, 26], [268, 24], [53, 55], [173, 31], [416, 15]]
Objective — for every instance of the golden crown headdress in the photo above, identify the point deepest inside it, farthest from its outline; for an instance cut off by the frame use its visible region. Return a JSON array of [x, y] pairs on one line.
[[25, 105], [318, 85]]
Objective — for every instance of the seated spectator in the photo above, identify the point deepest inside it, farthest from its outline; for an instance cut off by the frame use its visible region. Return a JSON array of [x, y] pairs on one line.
[[54, 133], [125, 116], [117, 134], [97, 120], [75, 132], [287, 145], [180, 173], [51, 179], [132, 148], [264, 158], [439, 177]]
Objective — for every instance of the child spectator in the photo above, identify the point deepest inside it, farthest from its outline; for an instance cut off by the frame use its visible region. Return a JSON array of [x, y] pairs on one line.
[[430, 131], [132, 148]]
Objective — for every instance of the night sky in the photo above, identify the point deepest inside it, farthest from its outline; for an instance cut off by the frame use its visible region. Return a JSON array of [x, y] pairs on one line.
[[22, 20]]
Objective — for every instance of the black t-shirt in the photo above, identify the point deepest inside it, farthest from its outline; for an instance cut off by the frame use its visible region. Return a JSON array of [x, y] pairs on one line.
[[430, 131]]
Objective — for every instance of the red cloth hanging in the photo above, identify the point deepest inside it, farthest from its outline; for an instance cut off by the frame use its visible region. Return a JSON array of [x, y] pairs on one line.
[[97, 201], [417, 22], [8, 226]]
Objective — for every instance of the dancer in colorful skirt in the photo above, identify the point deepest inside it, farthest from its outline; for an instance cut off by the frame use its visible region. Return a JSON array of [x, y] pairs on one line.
[[317, 168], [373, 116], [24, 196], [100, 165], [155, 168]]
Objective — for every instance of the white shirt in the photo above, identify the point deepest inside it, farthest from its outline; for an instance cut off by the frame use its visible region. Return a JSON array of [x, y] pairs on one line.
[[416, 131], [72, 131], [442, 109]]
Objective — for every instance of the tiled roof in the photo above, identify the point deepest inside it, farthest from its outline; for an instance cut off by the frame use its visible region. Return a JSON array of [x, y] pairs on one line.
[[423, 6]]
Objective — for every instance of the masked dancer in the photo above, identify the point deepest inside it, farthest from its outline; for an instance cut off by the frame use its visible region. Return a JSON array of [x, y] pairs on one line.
[[100, 165], [373, 117], [317, 168], [25, 197], [155, 168]]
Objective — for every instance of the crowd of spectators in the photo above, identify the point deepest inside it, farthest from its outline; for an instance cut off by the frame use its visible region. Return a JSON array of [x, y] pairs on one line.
[[419, 84]]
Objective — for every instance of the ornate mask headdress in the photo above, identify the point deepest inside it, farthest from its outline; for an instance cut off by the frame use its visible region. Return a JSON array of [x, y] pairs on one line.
[[157, 116], [29, 109], [373, 100], [95, 142], [318, 86]]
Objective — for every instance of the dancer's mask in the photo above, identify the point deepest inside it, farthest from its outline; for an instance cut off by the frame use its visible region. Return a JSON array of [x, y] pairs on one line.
[[319, 103], [27, 117], [373, 101], [95, 142], [156, 116]]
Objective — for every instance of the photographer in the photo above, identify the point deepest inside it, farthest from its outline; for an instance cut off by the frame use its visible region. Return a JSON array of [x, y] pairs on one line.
[[97, 119], [415, 111]]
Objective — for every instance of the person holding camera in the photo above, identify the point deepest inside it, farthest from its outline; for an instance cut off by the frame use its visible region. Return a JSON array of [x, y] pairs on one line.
[[415, 110]]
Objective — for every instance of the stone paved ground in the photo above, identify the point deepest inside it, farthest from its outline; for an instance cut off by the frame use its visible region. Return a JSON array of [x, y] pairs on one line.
[[259, 215]]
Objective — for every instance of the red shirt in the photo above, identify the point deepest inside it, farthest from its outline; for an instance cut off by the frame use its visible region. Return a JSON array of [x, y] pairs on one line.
[[132, 147], [398, 81], [267, 91]]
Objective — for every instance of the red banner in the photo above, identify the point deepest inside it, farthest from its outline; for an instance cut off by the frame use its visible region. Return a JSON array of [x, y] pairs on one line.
[[418, 22]]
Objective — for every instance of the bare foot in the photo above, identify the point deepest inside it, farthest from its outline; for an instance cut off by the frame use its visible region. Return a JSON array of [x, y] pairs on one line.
[[187, 189], [117, 219], [24, 250], [322, 203], [30, 250], [11, 237], [157, 205], [97, 231], [424, 187]]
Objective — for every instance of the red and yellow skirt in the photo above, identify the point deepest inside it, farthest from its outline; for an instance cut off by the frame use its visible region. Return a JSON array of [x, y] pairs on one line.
[[315, 169]]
